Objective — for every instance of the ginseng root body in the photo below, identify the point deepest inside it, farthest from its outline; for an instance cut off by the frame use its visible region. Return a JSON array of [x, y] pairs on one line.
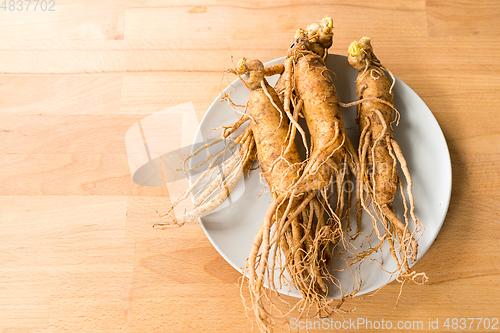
[[312, 92], [294, 243], [270, 131], [220, 185], [294, 223], [379, 156]]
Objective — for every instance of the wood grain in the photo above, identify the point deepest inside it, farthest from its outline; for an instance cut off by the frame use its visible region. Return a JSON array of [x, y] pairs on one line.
[[78, 251]]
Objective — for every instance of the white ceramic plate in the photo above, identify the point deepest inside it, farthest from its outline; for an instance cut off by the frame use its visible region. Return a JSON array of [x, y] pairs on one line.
[[231, 229]]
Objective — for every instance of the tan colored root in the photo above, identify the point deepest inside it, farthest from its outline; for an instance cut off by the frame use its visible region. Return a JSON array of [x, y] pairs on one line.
[[375, 144], [306, 244], [215, 158], [227, 178], [341, 175], [307, 269], [238, 166], [197, 151], [311, 277], [256, 268], [394, 229], [210, 169], [286, 220], [227, 170], [284, 217], [405, 234], [276, 107], [315, 163], [373, 99], [274, 70], [294, 232], [287, 100], [228, 173], [362, 58], [227, 167], [310, 179], [228, 130], [409, 182], [293, 129]]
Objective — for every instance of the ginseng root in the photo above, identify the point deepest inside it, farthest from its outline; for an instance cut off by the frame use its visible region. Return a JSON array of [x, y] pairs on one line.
[[305, 88], [306, 83], [379, 155], [294, 243], [230, 172]]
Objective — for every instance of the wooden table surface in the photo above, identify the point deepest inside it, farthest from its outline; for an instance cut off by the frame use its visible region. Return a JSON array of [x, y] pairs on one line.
[[77, 250]]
